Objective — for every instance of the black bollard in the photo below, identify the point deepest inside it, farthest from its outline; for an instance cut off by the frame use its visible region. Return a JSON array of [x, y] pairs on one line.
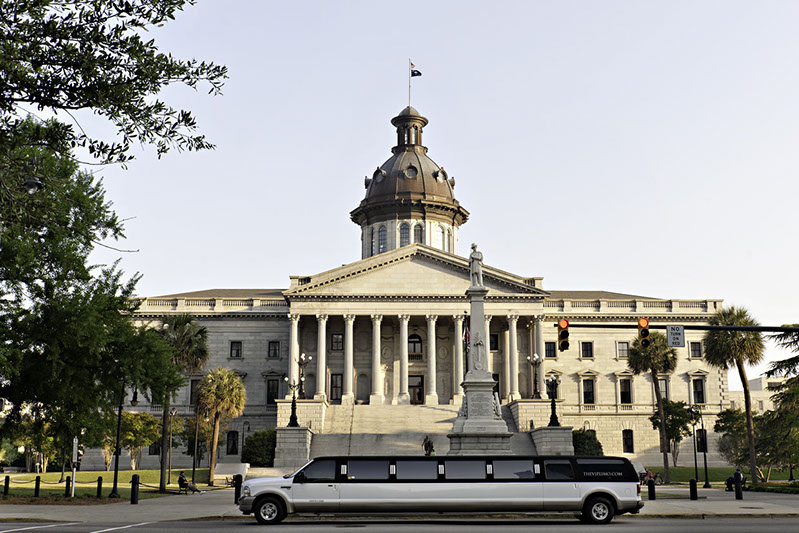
[[134, 489], [236, 488], [692, 484], [99, 487], [739, 491], [651, 486], [5, 485], [36, 486], [66, 487]]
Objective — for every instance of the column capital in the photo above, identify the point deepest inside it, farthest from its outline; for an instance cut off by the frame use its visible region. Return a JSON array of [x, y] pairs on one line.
[[431, 318], [513, 318], [459, 318], [349, 318], [377, 318], [404, 318], [294, 317], [321, 318], [488, 317], [538, 318]]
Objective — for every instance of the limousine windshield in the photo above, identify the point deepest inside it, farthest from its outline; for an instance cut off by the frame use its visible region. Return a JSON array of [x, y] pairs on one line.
[[594, 488]]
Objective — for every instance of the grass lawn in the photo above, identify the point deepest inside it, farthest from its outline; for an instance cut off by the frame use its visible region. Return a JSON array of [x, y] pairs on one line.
[[716, 474], [21, 486]]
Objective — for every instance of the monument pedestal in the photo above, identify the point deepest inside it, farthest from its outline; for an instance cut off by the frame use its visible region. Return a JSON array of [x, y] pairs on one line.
[[553, 440]]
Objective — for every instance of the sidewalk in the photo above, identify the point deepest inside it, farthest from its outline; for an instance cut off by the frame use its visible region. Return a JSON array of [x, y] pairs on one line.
[[218, 504]]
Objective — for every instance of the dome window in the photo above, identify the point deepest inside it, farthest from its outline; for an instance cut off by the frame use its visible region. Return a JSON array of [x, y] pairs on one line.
[[372, 242], [405, 234], [411, 172], [382, 244], [418, 234]]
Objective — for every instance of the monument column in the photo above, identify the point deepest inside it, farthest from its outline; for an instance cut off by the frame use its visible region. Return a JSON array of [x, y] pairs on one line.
[[457, 359], [294, 351], [431, 398], [539, 349], [376, 397], [347, 397], [321, 358], [505, 376], [403, 398], [513, 388]]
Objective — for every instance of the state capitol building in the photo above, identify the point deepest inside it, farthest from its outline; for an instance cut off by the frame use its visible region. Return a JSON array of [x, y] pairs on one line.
[[384, 335]]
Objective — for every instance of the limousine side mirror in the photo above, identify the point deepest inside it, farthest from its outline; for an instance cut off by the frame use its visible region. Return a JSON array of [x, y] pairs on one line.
[[299, 477]]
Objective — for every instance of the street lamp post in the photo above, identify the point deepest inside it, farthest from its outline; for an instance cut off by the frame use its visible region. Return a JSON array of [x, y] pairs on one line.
[[704, 448], [293, 387], [535, 362], [694, 416], [552, 392], [302, 363], [172, 413]]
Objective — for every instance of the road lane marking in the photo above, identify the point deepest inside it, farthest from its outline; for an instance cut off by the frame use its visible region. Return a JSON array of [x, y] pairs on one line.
[[116, 528], [38, 527]]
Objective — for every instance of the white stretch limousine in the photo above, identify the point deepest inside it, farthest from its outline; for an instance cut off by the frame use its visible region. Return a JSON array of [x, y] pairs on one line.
[[594, 488]]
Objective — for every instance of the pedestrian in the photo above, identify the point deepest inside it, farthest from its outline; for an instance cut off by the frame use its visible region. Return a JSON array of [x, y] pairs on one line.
[[183, 482], [427, 445]]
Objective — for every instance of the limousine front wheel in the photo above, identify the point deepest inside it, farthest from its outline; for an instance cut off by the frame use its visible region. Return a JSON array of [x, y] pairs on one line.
[[598, 510], [269, 510]]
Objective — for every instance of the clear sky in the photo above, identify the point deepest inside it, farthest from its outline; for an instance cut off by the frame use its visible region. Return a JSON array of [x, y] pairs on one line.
[[641, 147]]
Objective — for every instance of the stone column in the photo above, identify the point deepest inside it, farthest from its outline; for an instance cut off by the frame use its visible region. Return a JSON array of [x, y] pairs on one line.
[[487, 339], [403, 398], [457, 359], [539, 349], [531, 343], [376, 397], [294, 351], [347, 397], [505, 375], [321, 358], [431, 397], [513, 389]]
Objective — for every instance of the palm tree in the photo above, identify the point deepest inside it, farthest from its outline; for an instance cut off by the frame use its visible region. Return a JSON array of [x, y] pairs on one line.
[[189, 343], [724, 349], [657, 359], [222, 393]]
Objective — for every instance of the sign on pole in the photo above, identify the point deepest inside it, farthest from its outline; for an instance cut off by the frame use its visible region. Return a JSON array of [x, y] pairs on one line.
[[74, 465], [675, 336]]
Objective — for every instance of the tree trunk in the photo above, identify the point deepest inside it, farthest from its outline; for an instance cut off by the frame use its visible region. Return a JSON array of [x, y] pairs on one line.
[[64, 466], [164, 444], [214, 439], [750, 426], [662, 430]]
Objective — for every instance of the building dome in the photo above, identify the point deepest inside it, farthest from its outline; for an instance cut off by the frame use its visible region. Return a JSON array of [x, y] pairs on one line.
[[410, 185]]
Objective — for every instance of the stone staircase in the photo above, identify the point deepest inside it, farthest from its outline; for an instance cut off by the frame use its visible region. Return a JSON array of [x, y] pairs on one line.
[[396, 430]]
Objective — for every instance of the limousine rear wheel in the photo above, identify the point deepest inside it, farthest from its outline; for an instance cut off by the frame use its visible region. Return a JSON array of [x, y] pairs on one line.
[[269, 510], [598, 510]]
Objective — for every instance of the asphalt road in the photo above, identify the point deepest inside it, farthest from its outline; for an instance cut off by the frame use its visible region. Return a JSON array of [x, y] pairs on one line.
[[712, 525]]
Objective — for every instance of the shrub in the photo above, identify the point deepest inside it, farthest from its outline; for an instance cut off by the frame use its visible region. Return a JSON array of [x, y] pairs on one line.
[[259, 448], [586, 443]]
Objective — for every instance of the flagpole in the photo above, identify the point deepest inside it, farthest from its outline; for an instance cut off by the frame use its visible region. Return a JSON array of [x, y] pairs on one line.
[[409, 82]]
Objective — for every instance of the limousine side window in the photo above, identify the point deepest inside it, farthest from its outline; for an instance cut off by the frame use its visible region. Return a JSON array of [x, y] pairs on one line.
[[323, 470], [417, 470], [465, 469], [513, 469], [604, 469], [559, 470], [367, 469]]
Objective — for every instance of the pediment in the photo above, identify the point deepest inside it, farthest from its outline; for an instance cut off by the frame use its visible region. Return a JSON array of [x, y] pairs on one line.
[[413, 271]]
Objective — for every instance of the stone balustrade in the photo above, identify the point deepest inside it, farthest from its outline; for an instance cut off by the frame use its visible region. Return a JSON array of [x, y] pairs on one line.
[[212, 305]]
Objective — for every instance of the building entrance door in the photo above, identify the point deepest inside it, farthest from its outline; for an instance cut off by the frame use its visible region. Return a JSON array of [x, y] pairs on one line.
[[416, 389]]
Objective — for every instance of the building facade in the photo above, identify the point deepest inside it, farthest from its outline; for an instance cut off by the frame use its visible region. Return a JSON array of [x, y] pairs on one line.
[[384, 335]]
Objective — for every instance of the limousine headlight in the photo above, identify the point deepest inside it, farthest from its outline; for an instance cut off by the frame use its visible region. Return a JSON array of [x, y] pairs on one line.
[[245, 490]]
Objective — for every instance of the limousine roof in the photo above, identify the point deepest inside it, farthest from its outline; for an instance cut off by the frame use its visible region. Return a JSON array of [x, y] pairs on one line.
[[473, 457]]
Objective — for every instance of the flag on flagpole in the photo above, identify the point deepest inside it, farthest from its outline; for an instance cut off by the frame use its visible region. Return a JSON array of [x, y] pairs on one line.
[[415, 73]]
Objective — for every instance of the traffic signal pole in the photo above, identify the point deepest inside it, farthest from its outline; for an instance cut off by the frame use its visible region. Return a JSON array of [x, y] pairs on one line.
[[765, 329]]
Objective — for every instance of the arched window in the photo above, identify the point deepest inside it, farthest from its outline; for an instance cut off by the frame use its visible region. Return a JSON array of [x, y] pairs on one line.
[[381, 240], [414, 348], [371, 242], [232, 442], [440, 237], [405, 234], [418, 234], [448, 242]]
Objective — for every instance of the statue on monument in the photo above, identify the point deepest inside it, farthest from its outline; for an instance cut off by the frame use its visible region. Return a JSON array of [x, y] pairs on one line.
[[476, 267]]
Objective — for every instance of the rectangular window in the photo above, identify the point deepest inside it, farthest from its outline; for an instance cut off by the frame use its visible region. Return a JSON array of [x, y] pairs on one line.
[[587, 350], [699, 390], [622, 348], [696, 349], [701, 440], [664, 388], [513, 469], [274, 349], [760, 405], [417, 470], [732, 404], [602, 469], [588, 391], [559, 470], [493, 341], [336, 385], [232, 443], [626, 391], [324, 470], [193, 385], [235, 348], [367, 469], [154, 449], [627, 441], [468, 469], [337, 341], [272, 391], [549, 349]]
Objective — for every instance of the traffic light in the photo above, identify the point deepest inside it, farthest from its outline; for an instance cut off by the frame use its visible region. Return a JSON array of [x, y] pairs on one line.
[[563, 334], [643, 332]]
